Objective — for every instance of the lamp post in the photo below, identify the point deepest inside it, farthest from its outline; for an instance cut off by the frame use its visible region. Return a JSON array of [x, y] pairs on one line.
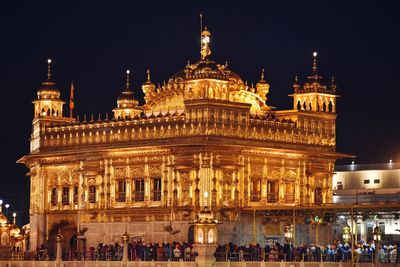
[[125, 239], [346, 233], [377, 238], [14, 218], [59, 238], [288, 233], [7, 206]]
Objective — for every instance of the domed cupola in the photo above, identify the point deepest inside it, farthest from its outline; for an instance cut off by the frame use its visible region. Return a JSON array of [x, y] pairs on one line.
[[48, 103], [48, 89], [148, 88], [262, 87], [314, 95], [127, 105], [315, 82]]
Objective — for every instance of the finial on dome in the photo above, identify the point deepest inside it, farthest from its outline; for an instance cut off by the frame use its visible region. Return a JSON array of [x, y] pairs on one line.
[[205, 51], [333, 84], [262, 75], [49, 69], [128, 72], [148, 75], [296, 79], [315, 65]]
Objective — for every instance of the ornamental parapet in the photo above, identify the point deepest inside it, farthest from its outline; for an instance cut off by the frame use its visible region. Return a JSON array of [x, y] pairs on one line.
[[153, 127]]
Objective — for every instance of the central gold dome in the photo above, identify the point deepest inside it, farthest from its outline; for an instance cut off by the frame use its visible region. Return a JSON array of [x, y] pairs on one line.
[[204, 79]]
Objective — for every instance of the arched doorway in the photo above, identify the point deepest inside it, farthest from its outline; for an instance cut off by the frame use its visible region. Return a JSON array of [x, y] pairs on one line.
[[191, 234], [68, 231]]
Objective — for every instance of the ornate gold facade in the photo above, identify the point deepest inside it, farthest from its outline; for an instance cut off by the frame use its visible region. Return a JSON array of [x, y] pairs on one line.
[[203, 131]]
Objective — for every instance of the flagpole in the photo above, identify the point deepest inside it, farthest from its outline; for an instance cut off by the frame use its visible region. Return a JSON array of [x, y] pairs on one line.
[[71, 101]]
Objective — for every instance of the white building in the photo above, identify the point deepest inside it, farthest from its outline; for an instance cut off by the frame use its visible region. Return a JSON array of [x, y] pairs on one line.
[[370, 184]]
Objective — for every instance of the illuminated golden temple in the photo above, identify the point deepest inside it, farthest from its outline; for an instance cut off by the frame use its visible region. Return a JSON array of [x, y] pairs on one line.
[[204, 138]]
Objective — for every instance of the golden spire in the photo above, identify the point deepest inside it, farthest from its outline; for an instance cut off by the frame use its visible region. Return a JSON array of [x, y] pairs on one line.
[[127, 80], [49, 69], [315, 65], [262, 75], [148, 75], [204, 40]]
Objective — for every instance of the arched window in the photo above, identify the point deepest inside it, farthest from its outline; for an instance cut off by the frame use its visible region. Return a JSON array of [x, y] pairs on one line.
[[298, 105], [324, 107], [65, 195], [76, 194], [54, 197], [272, 191], [138, 193], [210, 238], [121, 191], [330, 106], [256, 190], [156, 196], [318, 196], [200, 236], [92, 194]]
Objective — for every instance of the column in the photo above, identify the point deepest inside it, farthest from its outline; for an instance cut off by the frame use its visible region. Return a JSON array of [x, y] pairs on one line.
[[59, 238]]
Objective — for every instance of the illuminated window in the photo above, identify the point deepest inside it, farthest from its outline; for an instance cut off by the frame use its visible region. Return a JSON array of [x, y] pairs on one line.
[[256, 190], [54, 196], [366, 181], [121, 191], [75, 194], [272, 191], [318, 196], [156, 189], [377, 181], [138, 194], [65, 196], [92, 194]]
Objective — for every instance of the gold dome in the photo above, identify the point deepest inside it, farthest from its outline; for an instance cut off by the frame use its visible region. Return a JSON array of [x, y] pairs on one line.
[[204, 79], [48, 88], [3, 219], [127, 105]]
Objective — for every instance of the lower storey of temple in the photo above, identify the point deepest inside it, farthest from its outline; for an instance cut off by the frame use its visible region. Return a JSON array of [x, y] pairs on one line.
[[240, 232]]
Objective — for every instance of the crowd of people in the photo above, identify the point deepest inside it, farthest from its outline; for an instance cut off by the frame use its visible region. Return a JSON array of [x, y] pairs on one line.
[[287, 252], [174, 251]]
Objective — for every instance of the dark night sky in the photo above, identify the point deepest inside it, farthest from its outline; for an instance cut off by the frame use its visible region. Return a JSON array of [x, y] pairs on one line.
[[94, 42]]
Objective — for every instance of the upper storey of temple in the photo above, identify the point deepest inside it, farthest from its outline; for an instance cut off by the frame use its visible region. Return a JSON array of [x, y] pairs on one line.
[[205, 79], [203, 99]]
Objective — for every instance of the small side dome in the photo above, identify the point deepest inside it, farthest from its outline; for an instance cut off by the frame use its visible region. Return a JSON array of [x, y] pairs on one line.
[[48, 88], [3, 219], [127, 105]]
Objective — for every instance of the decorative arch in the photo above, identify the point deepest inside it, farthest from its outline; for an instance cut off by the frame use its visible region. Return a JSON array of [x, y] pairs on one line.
[[68, 230]]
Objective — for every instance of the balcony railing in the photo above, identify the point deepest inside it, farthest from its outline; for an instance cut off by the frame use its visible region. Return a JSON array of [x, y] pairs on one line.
[[53, 200], [156, 196], [255, 197], [272, 197], [138, 196], [92, 197], [121, 196], [65, 199]]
